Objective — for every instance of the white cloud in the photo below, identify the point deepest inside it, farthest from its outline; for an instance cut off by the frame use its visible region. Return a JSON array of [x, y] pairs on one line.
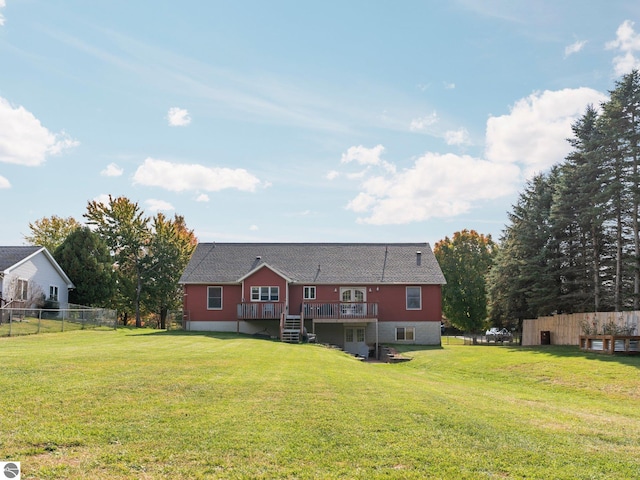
[[628, 43], [4, 183], [2, 5], [254, 228], [534, 132], [435, 186], [529, 139], [178, 177], [359, 174], [332, 175], [362, 202], [457, 137], [102, 198], [112, 170], [63, 142], [449, 85], [23, 139], [363, 155], [178, 117], [574, 47], [203, 197], [422, 124], [158, 205]]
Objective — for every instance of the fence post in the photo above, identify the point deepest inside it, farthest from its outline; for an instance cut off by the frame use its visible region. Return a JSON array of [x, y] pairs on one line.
[[63, 312], [10, 321], [39, 320]]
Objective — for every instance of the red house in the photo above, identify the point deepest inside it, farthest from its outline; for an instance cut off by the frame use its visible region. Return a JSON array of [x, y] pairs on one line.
[[355, 295]]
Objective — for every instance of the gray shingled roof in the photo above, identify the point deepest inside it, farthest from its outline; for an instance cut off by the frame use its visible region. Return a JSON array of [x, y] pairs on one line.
[[317, 263], [9, 256]]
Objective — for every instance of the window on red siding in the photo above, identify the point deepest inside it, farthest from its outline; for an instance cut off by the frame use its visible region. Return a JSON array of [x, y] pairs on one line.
[[214, 298], [309, 293], [414, 299], [265, 294]]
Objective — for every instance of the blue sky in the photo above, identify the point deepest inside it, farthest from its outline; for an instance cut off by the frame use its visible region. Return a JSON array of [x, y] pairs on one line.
[[289, 121]]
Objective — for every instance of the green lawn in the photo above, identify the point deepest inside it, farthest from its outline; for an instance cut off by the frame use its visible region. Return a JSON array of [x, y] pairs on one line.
[[146, 404]]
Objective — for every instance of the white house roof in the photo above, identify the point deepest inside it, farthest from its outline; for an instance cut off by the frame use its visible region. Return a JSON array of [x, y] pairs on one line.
[[316, 263], [13, 257]]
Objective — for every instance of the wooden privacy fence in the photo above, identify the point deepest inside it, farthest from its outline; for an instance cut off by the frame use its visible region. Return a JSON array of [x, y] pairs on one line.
[[566, 329]]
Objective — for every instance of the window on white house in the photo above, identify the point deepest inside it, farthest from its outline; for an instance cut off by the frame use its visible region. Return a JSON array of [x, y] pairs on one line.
[[405, 333], [53, 293], [214, 298], [414, 298], [22, 289], [309, 293], [265, 294]]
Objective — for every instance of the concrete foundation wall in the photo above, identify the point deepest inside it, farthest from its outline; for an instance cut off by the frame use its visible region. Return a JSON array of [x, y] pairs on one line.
[[271, 327], [426, 333]]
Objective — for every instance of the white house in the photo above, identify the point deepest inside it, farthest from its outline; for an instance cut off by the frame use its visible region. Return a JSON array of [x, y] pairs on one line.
[[30, 275]]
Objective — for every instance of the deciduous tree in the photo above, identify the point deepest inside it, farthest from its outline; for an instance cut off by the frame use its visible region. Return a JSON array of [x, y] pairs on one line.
[[51, 232], [126, 232], [465, 260], [170, 248]]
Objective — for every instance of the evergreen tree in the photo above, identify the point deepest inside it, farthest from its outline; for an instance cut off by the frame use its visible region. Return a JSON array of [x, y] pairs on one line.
[[506, 298], [86, 259], [578, 214], [530, 231], [573, 239], [616, 190], [624, 110]]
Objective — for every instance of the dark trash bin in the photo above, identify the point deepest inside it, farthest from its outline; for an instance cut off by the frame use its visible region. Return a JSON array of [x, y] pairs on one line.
[[545, 337]]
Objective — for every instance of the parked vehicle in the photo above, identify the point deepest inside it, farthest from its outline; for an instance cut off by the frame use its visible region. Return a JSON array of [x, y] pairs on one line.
[[495, 334]]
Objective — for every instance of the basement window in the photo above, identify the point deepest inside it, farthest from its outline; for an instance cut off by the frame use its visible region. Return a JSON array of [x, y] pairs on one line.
[[405, 334]]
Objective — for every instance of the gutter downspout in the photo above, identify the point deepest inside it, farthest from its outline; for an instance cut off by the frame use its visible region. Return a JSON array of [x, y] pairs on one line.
[[241, 308]]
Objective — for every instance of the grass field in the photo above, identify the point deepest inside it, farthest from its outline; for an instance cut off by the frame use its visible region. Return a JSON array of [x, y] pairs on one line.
[[144, 404]]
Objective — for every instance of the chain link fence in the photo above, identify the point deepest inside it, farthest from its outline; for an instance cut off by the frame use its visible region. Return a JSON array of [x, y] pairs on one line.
[[512, 338], [29, 321]]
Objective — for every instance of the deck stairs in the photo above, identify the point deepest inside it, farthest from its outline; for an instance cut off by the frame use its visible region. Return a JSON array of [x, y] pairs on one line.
[[291, 329]]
